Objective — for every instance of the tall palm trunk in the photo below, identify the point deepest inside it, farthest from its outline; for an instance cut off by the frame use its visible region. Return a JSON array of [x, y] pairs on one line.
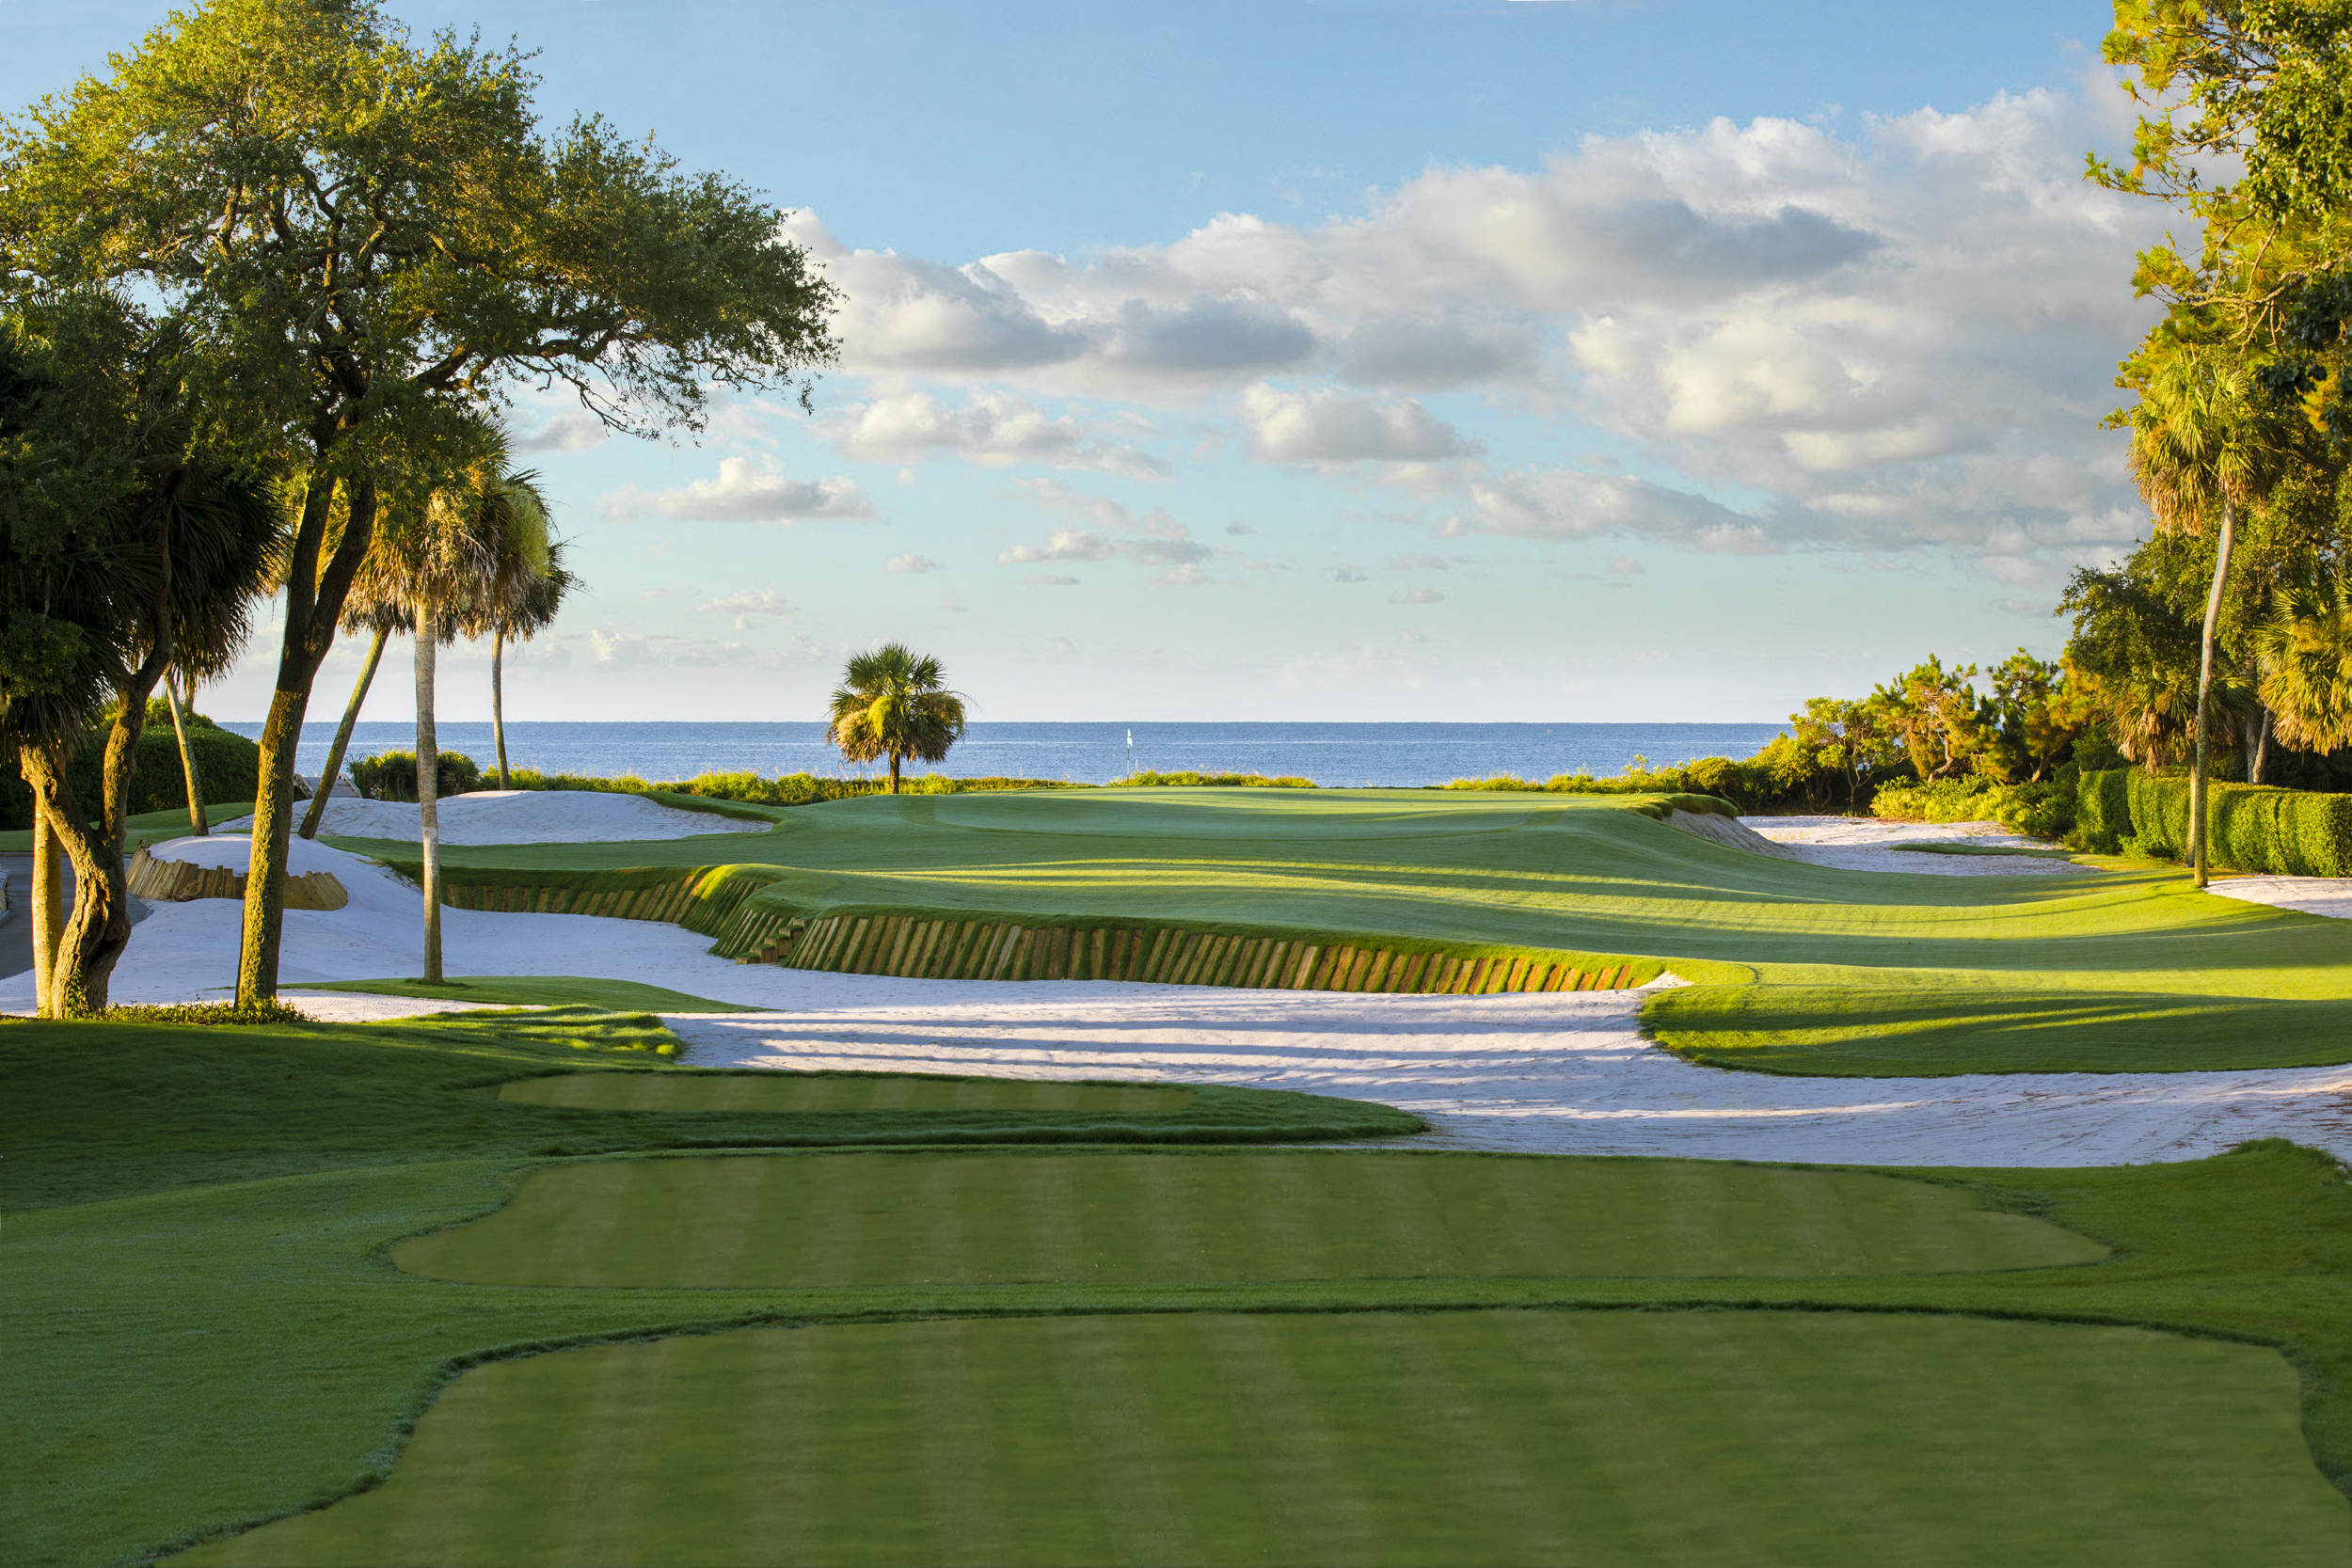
[[894, 772], [47, 914], [429, 785], [2197, 775], [334, 768], [199, 824], [498, 697]]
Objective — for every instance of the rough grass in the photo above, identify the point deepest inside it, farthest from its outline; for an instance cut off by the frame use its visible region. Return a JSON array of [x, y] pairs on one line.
[[1945, 974], [536, 990], [1983, 849], [206, 1333], [1463, 1437], [153, 826], [203, 1106]]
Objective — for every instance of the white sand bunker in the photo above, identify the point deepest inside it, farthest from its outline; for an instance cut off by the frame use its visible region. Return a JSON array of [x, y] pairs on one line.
[[2327, 895], [1563, 1072], [1872, 843], [525, 817]]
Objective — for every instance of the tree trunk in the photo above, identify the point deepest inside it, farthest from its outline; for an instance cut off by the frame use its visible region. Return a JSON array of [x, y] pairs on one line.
[[199, 824], [314, 603], [2198, 784], [894, 772], [47, 914], [498, 697], [87, 942], [2262, 751], [334, 768], [100, 927], [429, 786]]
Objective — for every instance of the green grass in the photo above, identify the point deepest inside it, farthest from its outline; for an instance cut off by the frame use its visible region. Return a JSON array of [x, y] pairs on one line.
[[207, 1330], [911, 1219], [1983, 849], [1944, 975], [1468, 1438], [769, 1091], [210, 1105], [153, 826], [538, 990]]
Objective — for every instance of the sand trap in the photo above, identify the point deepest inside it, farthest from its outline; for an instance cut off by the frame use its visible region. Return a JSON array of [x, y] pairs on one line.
[[1869, 844], [2327, 895], [1563, 1073], [524, 816]]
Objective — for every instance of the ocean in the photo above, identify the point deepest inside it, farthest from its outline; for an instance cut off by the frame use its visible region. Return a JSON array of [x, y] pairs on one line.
[[1397, 756]]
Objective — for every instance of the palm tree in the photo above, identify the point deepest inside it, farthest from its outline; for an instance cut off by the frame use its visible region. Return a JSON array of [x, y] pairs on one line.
[[522, 603], [2200, 454], [380, 618], [2305, 650], [460, 537], [895, 702]]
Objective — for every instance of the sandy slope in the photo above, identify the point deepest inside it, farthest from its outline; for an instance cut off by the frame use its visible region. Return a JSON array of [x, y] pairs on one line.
[[1561, 1073], [1869, 844], [525, 817]]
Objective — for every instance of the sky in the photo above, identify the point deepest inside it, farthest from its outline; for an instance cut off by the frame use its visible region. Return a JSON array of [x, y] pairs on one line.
[[1553, 360]]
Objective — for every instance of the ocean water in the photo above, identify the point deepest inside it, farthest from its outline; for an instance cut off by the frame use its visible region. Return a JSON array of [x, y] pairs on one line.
[[1331, 755]]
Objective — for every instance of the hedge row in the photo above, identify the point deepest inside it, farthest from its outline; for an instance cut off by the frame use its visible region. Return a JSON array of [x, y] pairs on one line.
[[230, 766], [2253, 826]]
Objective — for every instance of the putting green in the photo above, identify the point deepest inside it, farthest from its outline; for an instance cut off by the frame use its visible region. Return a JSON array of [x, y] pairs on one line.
[[837, 1091], [1641, 1438], [2177, 979], [841, 1220]]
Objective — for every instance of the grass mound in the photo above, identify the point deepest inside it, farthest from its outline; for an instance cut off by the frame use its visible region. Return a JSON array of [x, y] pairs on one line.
[[984, 1219]]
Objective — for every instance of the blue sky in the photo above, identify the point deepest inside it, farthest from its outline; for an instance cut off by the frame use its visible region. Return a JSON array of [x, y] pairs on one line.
[[1583, 360]]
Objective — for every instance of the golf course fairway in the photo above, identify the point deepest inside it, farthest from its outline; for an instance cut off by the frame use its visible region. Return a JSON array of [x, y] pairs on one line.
[[830, 1221], [1796, 968], [1634, 1438]]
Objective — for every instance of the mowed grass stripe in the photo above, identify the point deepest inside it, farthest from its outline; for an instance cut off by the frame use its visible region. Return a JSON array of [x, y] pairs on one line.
[[811, 1091], [837, 1220], [1650, 1439]]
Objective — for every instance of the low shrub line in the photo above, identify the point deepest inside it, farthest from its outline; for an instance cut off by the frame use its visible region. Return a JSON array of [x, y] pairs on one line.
[[2289, 832]]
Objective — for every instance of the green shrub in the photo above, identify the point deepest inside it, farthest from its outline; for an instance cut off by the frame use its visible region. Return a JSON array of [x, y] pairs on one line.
[[1211, 781], [1967, 798], [2255, 827], [2103, 811], [392, 775], [229, 768], [791, 789]]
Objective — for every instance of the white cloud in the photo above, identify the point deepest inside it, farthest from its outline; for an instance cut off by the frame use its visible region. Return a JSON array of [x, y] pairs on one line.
[[1329, 426], [1573, 503], [575, 430], [901, 565], [748, 490], [747, 607], [1416, 596], [1049, 579], [1896, 334], [1152, 538], [630, 650], [994, 429]]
